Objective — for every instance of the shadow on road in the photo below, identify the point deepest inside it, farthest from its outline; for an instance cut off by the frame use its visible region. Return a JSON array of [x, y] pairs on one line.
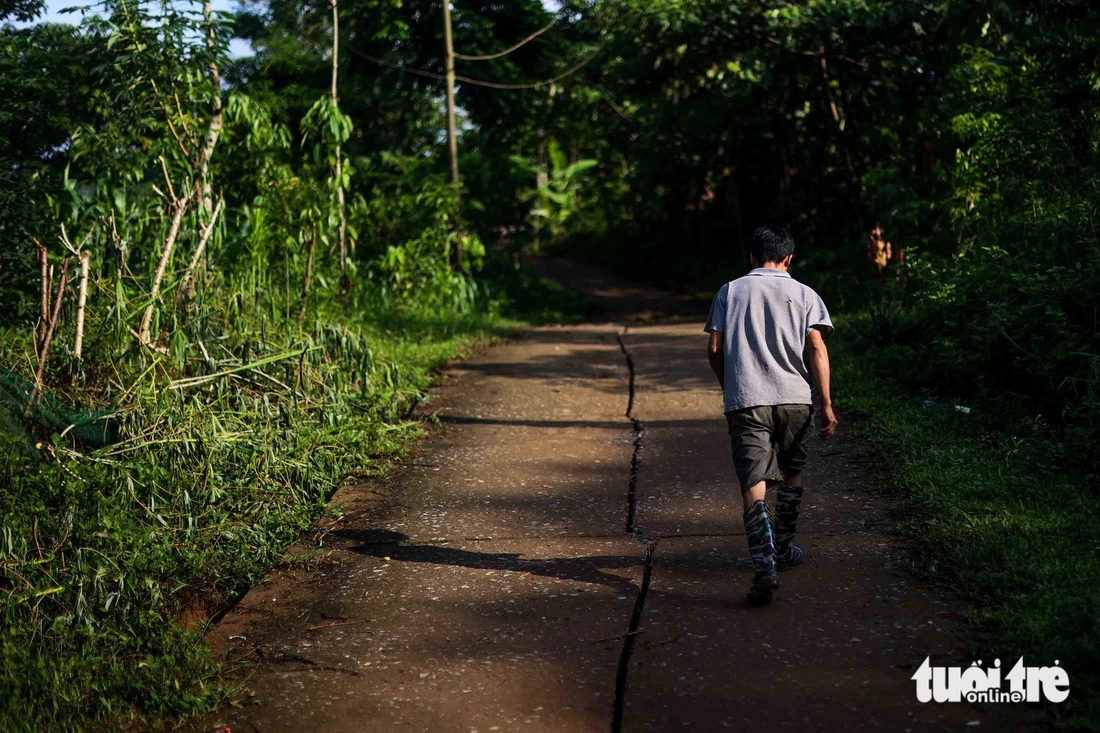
[[384, 543], [709, 423]]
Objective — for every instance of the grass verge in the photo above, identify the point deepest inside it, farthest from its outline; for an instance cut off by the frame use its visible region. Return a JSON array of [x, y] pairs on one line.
[[227, 452], [992, 509]]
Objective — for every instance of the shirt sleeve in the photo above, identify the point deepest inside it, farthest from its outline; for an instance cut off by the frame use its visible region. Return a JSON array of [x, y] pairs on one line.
[[716, 321], [817, 316]]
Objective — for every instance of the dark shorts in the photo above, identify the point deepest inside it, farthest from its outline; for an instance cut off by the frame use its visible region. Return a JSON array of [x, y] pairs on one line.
[[769, 439]]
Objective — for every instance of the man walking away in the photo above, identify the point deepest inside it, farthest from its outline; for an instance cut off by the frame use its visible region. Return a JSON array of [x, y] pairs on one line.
[[767, 337]]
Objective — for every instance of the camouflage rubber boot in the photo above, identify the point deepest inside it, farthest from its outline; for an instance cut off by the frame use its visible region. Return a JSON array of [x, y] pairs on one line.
[[788, 500], [758, 532]]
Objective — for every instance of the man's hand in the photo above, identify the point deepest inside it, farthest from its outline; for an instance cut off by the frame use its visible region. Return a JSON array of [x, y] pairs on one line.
[[819, 367], [716, 355], [828, 422]]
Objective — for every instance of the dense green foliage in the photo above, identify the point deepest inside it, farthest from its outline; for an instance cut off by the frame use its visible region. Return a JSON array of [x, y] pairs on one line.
[[993, 513], [272, 267]]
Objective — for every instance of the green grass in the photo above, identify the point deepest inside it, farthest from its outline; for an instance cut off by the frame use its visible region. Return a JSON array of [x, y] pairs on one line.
[[992, 507], [104, 553]]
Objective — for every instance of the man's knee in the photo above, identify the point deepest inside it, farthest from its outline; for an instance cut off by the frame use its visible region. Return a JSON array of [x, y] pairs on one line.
[[792, 477]]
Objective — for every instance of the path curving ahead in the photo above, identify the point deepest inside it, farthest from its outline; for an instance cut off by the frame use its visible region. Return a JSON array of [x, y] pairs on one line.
[[547, 562]]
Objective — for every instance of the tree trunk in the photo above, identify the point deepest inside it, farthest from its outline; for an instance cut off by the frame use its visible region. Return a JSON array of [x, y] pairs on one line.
[[215, 129], [838, 116]]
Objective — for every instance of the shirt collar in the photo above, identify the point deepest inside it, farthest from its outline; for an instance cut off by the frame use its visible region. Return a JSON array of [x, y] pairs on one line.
[[769, 272]]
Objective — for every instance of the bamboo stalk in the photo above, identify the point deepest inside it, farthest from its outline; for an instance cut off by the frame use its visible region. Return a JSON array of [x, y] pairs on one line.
[[158, 277], [81, 302], [187, 285], [309, 275], [115, 241]]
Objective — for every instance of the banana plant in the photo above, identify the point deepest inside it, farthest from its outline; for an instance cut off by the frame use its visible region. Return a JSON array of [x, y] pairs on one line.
[[556, 194]]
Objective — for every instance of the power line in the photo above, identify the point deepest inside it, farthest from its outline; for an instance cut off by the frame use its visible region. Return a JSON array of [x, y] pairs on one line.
[[478, 82], [486, 57]]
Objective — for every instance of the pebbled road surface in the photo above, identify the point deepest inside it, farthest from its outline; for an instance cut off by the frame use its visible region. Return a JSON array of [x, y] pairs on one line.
[[565, 553]]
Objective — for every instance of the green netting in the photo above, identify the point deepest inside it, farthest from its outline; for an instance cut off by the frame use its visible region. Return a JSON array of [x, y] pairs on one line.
[[20, 415]]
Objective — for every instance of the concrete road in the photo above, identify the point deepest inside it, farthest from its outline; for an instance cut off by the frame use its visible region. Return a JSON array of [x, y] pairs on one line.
[[565, 552]]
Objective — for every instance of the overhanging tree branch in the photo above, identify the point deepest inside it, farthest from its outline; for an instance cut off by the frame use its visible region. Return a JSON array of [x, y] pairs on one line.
[[522, 43]]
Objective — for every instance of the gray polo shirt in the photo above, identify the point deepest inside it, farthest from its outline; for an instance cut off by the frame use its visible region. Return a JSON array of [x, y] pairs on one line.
[[764, 318]]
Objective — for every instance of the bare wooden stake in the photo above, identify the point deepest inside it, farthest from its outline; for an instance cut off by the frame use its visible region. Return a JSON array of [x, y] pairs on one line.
[[44, 354]]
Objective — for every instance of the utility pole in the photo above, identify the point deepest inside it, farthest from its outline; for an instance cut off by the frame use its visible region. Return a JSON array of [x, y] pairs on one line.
[[345, 281], [452, 141]]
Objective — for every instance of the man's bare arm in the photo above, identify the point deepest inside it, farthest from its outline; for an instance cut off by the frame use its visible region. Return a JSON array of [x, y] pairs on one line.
[[717, 357], [819, 368]]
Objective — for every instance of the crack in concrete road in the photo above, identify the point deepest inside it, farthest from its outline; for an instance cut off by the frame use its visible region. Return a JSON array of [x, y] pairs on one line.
[[623, 671], [630, 638], [639, 433]]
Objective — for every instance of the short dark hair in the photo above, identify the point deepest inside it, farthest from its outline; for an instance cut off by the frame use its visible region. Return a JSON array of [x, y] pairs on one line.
[[772, 244]]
